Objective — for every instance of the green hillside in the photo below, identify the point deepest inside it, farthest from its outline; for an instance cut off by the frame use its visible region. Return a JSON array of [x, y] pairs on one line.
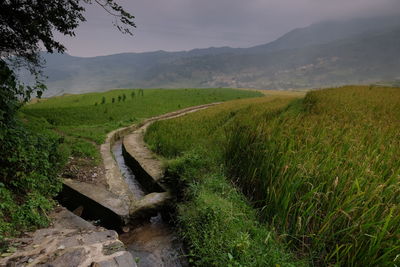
[[323, 172]]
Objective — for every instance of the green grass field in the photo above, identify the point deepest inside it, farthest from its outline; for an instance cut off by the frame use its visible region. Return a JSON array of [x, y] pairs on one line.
[[323, 173], [49, 131], [84, 120]]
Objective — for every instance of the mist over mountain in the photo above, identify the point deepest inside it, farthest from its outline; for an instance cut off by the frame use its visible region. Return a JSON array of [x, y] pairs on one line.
[[324, 54]]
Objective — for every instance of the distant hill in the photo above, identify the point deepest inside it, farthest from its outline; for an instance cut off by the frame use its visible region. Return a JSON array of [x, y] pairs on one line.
[[323, 54]]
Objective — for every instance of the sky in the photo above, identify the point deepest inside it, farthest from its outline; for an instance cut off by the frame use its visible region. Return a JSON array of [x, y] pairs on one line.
[[175, 25]]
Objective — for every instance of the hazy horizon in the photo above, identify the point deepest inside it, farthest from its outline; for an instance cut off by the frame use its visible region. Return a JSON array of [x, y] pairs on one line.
[[185, 25]]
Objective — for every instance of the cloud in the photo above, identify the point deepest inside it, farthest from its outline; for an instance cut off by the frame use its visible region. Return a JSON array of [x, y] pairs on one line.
[[186, 24]]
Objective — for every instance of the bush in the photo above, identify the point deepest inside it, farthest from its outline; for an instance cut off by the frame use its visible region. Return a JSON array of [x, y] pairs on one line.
[[28, 178]]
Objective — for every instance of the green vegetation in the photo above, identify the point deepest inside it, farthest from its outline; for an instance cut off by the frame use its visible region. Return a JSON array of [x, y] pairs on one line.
[[30, 161], [85, 124], [216, 221], [323, 171], [33, 155], [219, 226]]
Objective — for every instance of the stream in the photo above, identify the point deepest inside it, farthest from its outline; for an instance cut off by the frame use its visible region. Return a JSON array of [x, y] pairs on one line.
[[153, 242]]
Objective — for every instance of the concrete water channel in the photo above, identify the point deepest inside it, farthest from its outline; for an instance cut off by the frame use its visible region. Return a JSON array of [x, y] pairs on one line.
[[134, 200], [151, 241]]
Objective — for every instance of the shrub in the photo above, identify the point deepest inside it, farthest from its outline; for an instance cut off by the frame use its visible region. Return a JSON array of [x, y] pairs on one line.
[[28, 178]]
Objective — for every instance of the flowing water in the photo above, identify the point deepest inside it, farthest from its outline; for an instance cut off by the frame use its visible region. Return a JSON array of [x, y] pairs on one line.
[[153, 242], [126, 172]]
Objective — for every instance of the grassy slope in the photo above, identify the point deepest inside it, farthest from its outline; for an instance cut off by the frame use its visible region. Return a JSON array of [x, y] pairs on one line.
[[216, 220], [33, 157], [85, 123], [323, 171]]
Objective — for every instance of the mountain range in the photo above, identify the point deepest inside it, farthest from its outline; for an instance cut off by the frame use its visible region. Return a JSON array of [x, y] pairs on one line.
[[330, 53]]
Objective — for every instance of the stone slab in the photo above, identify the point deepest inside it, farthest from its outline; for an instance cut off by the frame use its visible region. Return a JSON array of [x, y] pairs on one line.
[[69, 241]]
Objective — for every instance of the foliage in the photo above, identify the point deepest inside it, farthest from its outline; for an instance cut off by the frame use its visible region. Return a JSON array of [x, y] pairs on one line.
[[28, 178], [29, 162], [8, 90], [323, 171], [26, 25]]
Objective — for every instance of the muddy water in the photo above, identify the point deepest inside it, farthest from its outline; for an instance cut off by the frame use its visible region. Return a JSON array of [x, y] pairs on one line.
[[153, 242]]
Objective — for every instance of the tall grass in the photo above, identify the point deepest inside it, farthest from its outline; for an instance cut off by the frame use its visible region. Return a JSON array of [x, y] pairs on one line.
[[323, 171], [216, 221], [326, 172]]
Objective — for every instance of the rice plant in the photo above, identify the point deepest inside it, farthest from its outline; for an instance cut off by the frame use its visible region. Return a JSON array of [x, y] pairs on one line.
[[323, 171]]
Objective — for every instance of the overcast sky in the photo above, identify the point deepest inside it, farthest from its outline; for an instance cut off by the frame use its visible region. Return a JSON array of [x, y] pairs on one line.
[[174, 25]]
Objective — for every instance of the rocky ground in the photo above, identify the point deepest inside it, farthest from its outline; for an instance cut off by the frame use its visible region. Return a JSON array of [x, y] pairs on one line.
[[69, 241]]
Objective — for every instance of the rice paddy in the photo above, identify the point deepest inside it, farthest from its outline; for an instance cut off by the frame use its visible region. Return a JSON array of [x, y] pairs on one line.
[[323, 171]]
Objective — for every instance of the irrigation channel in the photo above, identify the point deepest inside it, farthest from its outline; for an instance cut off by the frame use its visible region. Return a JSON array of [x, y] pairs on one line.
[[145, 228], [152, 242]]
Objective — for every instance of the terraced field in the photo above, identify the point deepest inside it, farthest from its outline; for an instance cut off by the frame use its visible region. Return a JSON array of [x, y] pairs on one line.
[[322, 172], [84, 120]]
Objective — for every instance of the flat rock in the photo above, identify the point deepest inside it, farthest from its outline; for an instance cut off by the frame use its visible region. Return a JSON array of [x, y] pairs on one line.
[[69, 241]]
